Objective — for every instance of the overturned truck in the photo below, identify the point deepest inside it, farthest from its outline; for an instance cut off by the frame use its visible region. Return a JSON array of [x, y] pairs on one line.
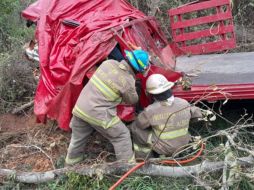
[[76, 36]]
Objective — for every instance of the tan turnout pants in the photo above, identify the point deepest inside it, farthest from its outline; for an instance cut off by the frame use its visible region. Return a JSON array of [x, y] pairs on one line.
[[118, 135], [141, 142]]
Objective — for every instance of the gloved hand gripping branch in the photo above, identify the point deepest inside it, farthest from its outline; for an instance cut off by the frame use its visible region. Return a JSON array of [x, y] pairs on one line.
[[208, 115]]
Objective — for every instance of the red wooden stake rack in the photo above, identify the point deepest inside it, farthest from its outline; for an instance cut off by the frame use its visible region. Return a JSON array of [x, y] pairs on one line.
[[211, 29]]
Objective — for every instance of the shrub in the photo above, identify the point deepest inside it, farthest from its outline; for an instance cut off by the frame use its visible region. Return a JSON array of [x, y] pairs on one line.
[[17, 84]]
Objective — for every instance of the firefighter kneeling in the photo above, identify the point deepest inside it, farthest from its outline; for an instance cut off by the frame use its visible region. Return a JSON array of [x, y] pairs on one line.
[[163, 125]]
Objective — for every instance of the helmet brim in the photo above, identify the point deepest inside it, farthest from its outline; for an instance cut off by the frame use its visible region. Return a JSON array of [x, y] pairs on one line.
[[166, 87]]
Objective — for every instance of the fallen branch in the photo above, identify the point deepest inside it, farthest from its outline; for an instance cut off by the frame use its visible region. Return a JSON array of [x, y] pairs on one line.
[[23, 107], [119, 168]]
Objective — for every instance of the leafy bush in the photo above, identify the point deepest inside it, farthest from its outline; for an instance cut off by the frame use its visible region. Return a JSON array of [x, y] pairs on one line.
[[16, 79], [17, 84], [13, 31]]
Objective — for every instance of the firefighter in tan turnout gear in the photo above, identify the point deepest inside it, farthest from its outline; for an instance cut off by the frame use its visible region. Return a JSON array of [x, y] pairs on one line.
[[167, 111], [112, 83]]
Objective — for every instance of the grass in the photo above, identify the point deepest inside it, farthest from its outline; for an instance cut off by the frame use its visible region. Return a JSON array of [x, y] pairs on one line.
[[74, 181], [77, 182]]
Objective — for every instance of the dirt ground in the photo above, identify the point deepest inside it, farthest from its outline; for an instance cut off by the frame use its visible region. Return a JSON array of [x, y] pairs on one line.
[[28, 146]]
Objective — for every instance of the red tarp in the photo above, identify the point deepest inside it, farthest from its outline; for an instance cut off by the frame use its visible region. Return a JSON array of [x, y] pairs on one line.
[[67, 53]]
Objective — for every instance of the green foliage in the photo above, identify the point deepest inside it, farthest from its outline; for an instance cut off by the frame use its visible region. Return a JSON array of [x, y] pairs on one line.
[[60, 162], [154, 183], [17, 84], [13, 31], [77, 182], [16, 80], [243, 12]]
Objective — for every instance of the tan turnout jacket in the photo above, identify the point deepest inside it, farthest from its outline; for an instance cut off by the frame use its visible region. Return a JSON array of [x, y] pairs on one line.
[[176, 117], [112, 83]]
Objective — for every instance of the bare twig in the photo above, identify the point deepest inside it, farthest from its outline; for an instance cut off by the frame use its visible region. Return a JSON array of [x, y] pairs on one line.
[[23, 107], [235, 127], [251, 152]]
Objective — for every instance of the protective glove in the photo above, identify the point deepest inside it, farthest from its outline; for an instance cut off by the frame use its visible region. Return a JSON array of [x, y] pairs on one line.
[[196, 140], [208, 115]]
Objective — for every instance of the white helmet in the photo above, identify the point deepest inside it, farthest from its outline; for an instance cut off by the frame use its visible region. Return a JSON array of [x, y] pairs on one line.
[[157, 83]]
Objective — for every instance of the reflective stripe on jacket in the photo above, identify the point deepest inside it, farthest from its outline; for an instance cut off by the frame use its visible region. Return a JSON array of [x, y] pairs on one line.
[[168, 135], [112, 83], [105, 89]]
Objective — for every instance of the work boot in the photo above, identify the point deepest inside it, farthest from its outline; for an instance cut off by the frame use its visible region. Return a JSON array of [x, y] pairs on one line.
[[72, 161]]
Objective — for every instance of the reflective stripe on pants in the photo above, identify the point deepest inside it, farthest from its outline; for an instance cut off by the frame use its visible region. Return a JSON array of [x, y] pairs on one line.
[[139, 148]]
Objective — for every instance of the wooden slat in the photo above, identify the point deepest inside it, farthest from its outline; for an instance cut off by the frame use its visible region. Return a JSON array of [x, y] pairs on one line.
[[197, 6], [180, 25], [204, 33], [210, 47], [202, 20]]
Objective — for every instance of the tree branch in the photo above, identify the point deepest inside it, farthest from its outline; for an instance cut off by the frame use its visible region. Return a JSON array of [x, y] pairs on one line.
[[119, 168], [23, 107]]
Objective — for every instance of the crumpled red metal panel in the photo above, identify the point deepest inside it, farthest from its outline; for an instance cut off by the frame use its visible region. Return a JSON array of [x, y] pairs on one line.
[[67, 53]]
